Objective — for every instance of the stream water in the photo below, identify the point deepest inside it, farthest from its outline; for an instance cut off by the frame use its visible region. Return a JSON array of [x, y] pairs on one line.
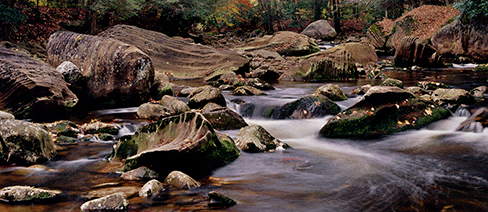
[[432, 169]]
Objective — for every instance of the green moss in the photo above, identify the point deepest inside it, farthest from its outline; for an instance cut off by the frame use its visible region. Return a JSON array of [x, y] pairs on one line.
[[126, 147], [109, 130], [481, 68]]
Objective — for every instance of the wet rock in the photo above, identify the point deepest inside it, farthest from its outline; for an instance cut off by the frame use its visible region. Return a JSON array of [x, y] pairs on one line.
[[186, 91], [181, 180], [152, 189], [5, 115], [392, 82], [95, 127], [140, 173], [320, 29], [246, 109], [430, 86], [219, 200], [458, 38], [331, 91], [255, 138], [378, 36], [258, 83], [73, 76], [117, 73], [306, 107], [247, 91], [479, 116], [26, 193], [414, 51], [418, 90], [24, 142], [444, 96], [284, 42], [383, 110], [222, 118], [185, 142], [174, 105], [152, 111], [63, 128], [106, 189], [182, 59], [32, 89], [479, 92], [205, 94], [362, 90], [161, 86], [114, 202]]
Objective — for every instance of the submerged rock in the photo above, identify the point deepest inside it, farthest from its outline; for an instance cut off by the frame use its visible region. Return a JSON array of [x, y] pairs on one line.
[[24, 142], [185, 142], [140, 173], [255, 138], [219, 200], [223, 118], [114, 202], [117, 73], [181, 180], [32, 89], [383, 110], [306, 107], [26, 193]]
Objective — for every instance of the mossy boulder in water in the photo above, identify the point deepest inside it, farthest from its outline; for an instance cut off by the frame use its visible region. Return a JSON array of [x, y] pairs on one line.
[[205, 94], [383, 110], [26, 193], [445, 96], [24, 142], [307, 107], [113, 202], [185, 142], [117, 73], [392, 82], [223, 118], [32, 89], [331, 91]]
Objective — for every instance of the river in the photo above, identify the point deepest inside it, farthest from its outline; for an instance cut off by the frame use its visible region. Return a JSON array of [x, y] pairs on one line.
[[432, 169]]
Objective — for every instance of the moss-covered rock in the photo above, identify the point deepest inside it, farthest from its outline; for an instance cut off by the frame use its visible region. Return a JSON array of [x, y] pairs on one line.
[[392, 82], [247, 91], [219, 200], [430, 86], [24, 142], [185, 142], [306, 107], [383, 110], [95, 127], [26, 193], [113, 202], [205, 94], [444, 96]]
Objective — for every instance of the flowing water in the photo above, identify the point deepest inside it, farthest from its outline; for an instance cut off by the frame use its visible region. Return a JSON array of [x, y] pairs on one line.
[[432, 169]]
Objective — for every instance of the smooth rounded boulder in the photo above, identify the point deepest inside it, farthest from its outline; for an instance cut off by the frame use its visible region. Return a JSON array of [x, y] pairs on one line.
[[312, 106], [255, 138], [117, 73], [223, 118], [32, 89], [320, 29], [24, 142], [204, 95], [181, 180], [331, 91], [383, 110]]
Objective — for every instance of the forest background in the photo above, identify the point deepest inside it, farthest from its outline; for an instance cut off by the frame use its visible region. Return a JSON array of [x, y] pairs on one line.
[[35, 20]]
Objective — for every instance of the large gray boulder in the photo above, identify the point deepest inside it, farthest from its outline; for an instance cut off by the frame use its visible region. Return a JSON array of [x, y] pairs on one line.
[[204, 95], [320, 29], [117, 73], [458, 38], [24, 142], [30, 88], [284, 42], [183, 60], [185, 142], [383, 110]]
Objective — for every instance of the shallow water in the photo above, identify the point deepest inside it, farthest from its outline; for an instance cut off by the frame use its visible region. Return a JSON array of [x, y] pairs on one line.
[[430, 169]]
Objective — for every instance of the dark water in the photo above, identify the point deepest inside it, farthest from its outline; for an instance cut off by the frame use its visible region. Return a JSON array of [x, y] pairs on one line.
[[432, 169]]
